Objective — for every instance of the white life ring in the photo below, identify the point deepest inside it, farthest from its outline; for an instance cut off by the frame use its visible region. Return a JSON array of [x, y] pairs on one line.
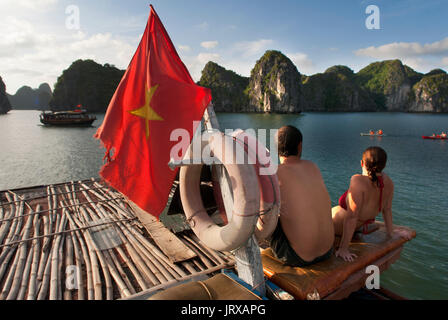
[[268, 183], [246, 206]]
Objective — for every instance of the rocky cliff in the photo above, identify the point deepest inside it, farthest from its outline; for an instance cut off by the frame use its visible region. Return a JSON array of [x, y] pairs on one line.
[[389, 83], [430, 94], [87, 83], [27, 98], [228, 88], [336, 90], [5, 106], [275, 85]]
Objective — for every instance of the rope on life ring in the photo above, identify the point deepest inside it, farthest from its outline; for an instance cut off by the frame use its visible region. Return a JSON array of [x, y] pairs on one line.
[[268, 183], [246, 195]]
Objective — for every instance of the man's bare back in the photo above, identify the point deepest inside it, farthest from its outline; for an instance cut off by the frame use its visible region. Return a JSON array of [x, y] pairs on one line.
[[306, 208]]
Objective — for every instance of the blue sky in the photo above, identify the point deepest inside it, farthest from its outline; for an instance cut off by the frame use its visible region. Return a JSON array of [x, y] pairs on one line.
[[36, 46]]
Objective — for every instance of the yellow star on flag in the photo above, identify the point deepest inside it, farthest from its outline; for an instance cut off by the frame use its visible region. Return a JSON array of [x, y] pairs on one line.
[[146, 112]]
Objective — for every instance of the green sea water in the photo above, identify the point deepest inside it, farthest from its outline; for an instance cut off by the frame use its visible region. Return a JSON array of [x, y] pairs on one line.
[[31, 154]]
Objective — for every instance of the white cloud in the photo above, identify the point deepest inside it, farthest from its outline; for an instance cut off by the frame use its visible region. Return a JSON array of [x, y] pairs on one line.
[[29, 56], [184, 48], [206, 57], [405, 49], [421, 57], [196, 63], [209, 44], [252, 48], [302, 62], [32, 4]]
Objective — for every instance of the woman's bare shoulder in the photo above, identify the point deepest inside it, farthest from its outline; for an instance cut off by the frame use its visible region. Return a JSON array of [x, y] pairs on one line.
[[358, 182], [357, 178], [387, 180]]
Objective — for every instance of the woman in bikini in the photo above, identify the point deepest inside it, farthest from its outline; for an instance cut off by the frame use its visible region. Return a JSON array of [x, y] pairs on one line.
[[369, 194]]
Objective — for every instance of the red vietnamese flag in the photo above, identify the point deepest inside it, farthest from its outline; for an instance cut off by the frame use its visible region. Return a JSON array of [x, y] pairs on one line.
[[155, 96]]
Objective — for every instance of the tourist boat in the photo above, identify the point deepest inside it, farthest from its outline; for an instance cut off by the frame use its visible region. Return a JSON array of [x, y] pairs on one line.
[[78, 117], [437, 137], [372, 134]]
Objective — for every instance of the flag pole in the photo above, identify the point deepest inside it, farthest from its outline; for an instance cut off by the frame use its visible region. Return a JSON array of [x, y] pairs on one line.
[[247, 257]]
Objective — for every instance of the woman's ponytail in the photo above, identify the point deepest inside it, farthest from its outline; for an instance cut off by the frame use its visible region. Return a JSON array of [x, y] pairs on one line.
[[374, 160]]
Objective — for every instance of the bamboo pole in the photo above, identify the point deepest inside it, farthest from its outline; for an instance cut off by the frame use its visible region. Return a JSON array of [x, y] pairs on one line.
[[54, 203], [57, 193], [54, 257], [117, 276], [205, 260], [69, 261], [9, 278], [45, 281], [154, 250], [5, 225], [45, 251], [187, 265], [120, 277], [111, 203], [78, 261], [215, 254], [35, 264], [16, 242], [8, 251], [54, 269], [134, 270], [22, 252], [97, 286], [123, 274], [93, 247], [87, 262], [150, 272], [25, 277], [159, 272], [130, 262], [108, 260], [50, 216], [84, 249], [14, 233]]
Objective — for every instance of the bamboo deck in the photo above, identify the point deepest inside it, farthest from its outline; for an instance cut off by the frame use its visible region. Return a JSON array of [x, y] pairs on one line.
[[83, 241]]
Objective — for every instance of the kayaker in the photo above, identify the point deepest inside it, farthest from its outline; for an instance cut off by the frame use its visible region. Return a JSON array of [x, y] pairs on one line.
[[371, 132], [304, 233], [380, 132], [443, 135], [369, 193]]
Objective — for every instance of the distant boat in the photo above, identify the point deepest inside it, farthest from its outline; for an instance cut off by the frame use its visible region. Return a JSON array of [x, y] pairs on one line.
[[78, 117], [373, 134], [437, 137]]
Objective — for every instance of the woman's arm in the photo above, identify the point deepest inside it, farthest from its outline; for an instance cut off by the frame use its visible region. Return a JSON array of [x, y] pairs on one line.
[[387, 213], [355, 202], [387, 216]]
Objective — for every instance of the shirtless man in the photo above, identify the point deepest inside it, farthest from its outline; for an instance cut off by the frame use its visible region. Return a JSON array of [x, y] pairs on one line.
[[305, 232]]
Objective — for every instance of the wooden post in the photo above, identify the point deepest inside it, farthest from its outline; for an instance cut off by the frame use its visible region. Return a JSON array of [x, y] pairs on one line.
[[247, 258]]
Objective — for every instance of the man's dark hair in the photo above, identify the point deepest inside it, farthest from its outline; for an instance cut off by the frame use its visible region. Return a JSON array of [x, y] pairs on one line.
[[288, 140]]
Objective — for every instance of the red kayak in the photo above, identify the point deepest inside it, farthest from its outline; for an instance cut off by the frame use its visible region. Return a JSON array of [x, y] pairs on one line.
[[437, 137]]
